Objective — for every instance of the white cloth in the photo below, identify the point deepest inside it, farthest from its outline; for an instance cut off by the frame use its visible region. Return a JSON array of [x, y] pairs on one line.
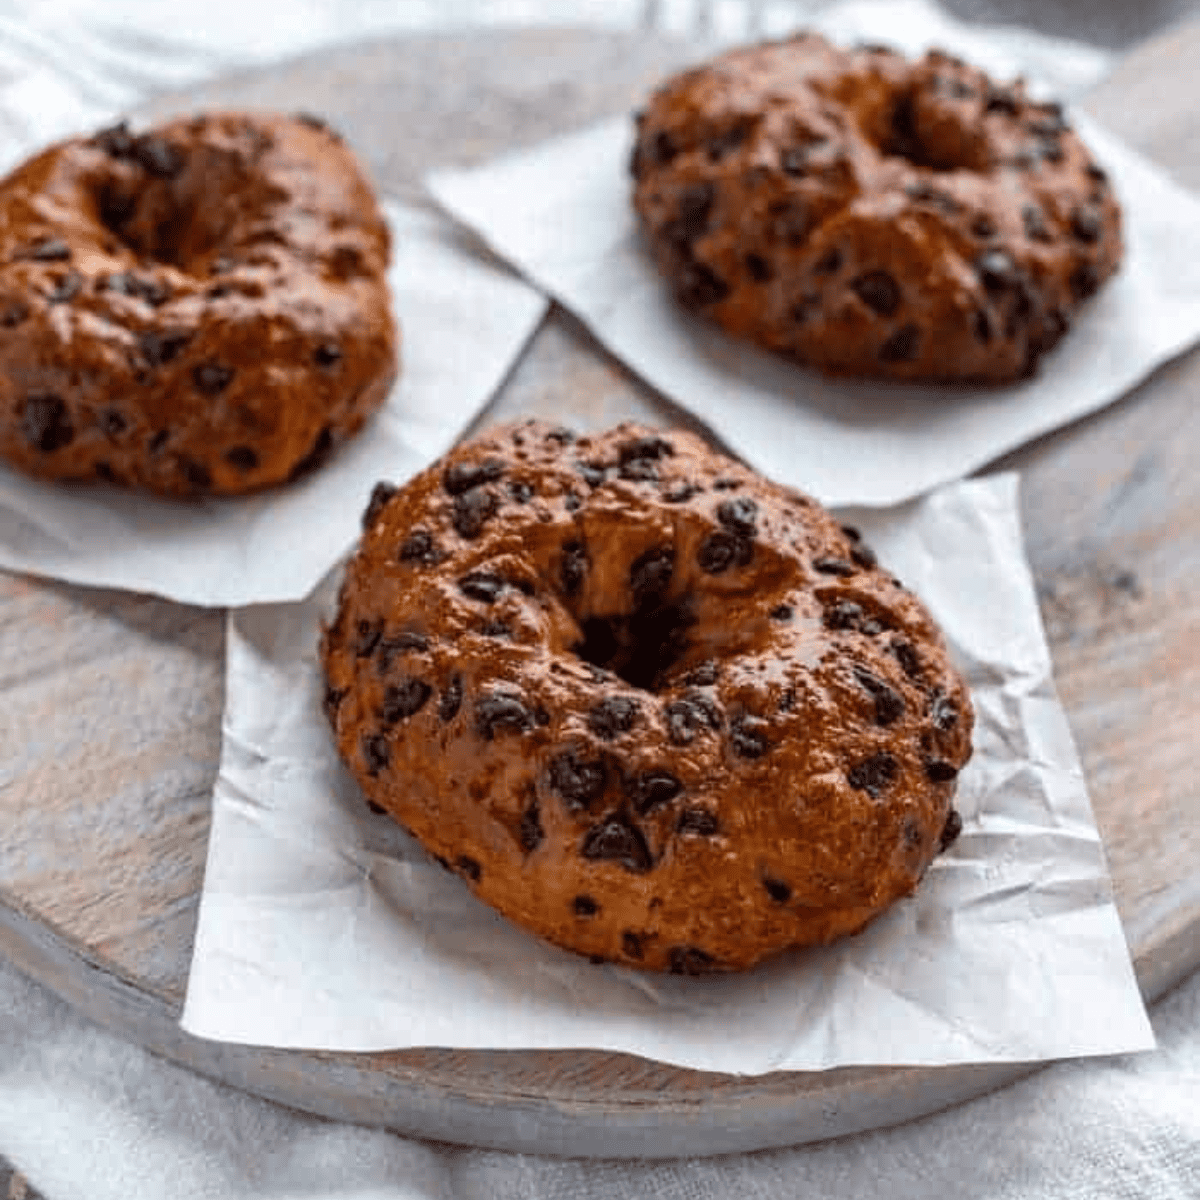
[[85, 1115]]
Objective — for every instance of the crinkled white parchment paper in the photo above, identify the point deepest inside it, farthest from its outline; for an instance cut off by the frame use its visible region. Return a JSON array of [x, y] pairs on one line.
[[323, 926], [463, 322], [561, 213]]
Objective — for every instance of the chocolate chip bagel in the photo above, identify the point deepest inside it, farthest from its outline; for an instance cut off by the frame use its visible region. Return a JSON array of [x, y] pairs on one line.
[[648, 704], [200, 308], [873, 216]]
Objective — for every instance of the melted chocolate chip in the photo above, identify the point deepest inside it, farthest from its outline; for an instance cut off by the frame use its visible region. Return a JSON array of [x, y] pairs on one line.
[[829, 565], [688, 960], [50, 250], [889, 704], [650, 575], [748, 736], [469, 867], [697, 822], [903, 346], [501, 713], [759, 268], [874, 774], [652, 790], [462, 477], [158, 157], [613, 716], [578, 783], [740, 515], [782, 612], [937, 770], [212, 378], [419, 547], [878, 291], [573, 567], [399, 643], [721, 550], [375, 752], [617, 839], [631, 945], [451, 699], [950, 830], [481, 585], [650, 446], [585, 906], [687, 715], [45, 423], [530, 832], [472, 511], [404, 699], [779, 891], [381, 493]]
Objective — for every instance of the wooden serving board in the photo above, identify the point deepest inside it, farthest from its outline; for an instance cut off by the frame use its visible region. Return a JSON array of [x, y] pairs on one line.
[[111, 702]]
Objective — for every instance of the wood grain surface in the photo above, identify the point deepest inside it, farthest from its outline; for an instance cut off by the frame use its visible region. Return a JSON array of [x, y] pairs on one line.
[[111, 702]]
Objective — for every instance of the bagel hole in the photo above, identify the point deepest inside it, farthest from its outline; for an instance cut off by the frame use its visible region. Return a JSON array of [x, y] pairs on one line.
[[640, 648]]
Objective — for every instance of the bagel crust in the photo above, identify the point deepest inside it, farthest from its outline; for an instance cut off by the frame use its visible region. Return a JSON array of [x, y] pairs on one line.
[[872, 216], [197, 309], [649, 705]]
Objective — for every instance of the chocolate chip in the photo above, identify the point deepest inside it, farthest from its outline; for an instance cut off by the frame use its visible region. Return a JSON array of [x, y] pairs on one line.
[[697, 822], [983, 226], [419, 547], [878, 291], [158, 349], [332, 699], [578, 783], [721, 550], [862, 555], [381, 493], [196, 473], [943, 712], [13, 313], [1034, 221], [950, 830], [116, 141], [844, 614], [591, 474], [782, 612], [1084, 281], [158, 441], [700, 286], [789, 222], [902, 346], [375, 752], [316, 455], [759, 268], [874, 774], [1096, 173], [45, 423], [830, 565], [616, 839], [613, 716], [740, 515], [638, 470], [906, 655], [889, 704], [530, 832], [925, 193], [694, 209], [498, 712], [680, 493], [497, 629], [469, 867], [728, 140], [704, 675], [472, 510], [1001, 100], [481, 585], [327, 354], [158, 156], [114, 207], [981, 326], [688, 960], [398, 644], [631, 945], [653, 789], [937, 770], [650, 575], [686, 716], [451, 699], [404, 699], [112, 423], [913, 833], [66, 288], [1050, 122], [367, 635], [573, 567], [1086, 225], [50, 250], [779, 891], [795, 159], [212, 378], [462, 477], [585, 906], [828, 263], [748, 736]]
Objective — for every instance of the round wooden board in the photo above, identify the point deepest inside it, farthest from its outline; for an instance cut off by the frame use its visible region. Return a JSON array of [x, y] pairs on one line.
[[112, 701]]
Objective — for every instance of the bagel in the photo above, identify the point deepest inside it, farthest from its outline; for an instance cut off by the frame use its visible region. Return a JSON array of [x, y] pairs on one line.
[[871, 216], [650, 706], [197, 309]]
